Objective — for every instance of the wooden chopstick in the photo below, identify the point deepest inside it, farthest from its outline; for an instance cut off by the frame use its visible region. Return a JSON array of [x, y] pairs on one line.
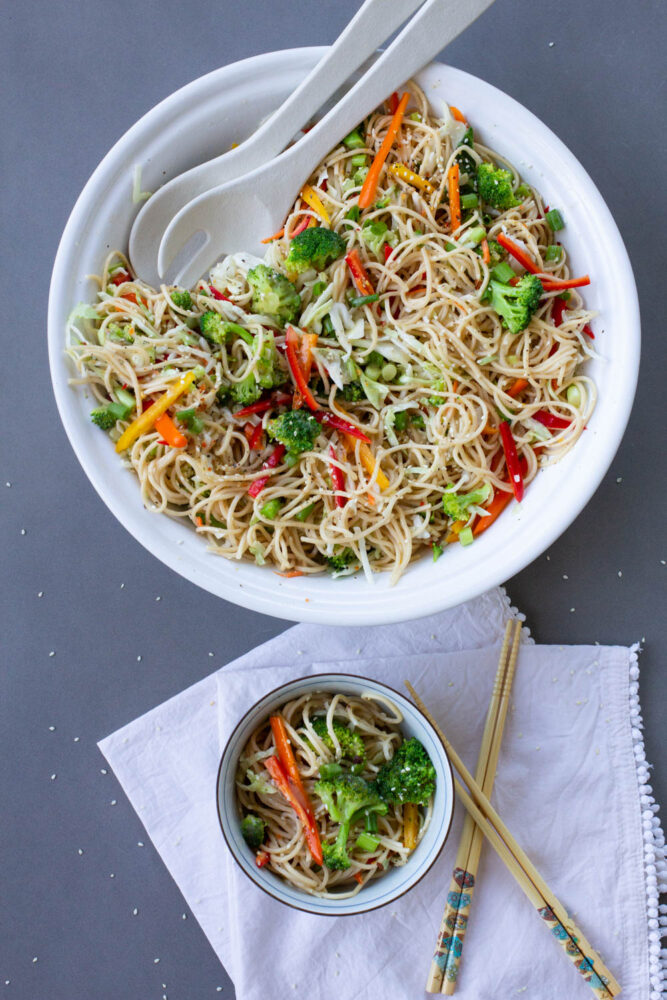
[[585, 959], [464, 878], [444, 965]]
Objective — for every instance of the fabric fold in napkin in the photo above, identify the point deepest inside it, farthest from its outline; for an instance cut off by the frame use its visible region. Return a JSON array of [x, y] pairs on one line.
[[571, 786]]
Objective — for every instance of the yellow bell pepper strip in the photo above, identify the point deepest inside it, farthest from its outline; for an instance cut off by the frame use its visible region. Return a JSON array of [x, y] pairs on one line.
[[147, 419], [410, 177], [410, 825], [312, 199], [367, 459], [370, 185]]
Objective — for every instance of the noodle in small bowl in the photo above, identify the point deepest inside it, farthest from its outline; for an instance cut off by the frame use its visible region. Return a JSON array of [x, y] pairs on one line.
[[378, 873], [195, 124]]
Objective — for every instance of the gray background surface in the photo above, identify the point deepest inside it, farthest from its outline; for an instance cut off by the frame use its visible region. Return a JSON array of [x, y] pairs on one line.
[[74, 77]]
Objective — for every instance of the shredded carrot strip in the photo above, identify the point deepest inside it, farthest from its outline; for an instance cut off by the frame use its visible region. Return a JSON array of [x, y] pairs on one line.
[[312, 199], [519, 385], [486, 253], [292, 573], [460, 117], [410, 177], [367, 195], [371, 499], [276, 236], [488, 430], [454, 196]]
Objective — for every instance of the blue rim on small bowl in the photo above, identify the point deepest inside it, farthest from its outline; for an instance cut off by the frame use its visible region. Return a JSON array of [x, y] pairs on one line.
[[396, 881]]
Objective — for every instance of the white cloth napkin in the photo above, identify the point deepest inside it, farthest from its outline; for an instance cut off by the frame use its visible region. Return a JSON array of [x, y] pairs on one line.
[[571, 786]]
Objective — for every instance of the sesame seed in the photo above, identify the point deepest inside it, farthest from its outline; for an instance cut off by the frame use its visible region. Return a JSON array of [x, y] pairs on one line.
[[77, 739], [184, 916], [122, 586], [8, 485], [140, 843], [23, 531], [158, 598], [548, 558], [139, 659], [52, 653], [103, 770], [53, 777], [565, 576], [155, 961], [34, 959], [80, 850], [134, 912], [619, 573], [113, 802], [572, 610], [210, 654], [40, 593], [619, 479], [52, 729], [111, 875], [551, 45]]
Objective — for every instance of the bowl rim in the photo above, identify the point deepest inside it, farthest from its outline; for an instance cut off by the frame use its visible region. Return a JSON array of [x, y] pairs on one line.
[[359, 604], [445, 758]]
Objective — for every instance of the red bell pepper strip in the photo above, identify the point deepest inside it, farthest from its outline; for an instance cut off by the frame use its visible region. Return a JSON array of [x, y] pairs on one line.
[[291, 347], [589, 332], [557, 284], [551, 420], [497, 505], [393, 103], [120, 277], [511, 460], [288, 761], [274, 459], [262, 405], [388, 251], [337, 478], [338, 424], [358, 272], [557, 310], [518, 253], [256, 437], [290, 791], [300, 226], [218, 295], [261, 858]]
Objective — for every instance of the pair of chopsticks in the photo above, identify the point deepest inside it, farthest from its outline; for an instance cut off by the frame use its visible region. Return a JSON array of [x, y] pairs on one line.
[[484, 821]]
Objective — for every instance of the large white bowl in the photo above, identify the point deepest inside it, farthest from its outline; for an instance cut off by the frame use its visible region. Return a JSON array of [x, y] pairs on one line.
[[396, 881], [203, 119]]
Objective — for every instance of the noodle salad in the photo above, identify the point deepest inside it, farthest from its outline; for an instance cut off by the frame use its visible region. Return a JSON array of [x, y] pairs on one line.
[[384, 383], [331, 795]]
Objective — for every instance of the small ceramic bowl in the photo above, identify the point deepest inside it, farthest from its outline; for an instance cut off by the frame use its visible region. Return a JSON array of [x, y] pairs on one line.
[[396, 881]]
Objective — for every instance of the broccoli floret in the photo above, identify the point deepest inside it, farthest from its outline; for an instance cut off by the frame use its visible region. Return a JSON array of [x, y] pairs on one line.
[[341, 560], [344, 797], [274, 295], [212, 326], [352, 392], [247, 391], [181, 299], [494, 185], [106, 416], [351, 744], [316, 248], [516, 304], [409, 776], [296, 429], [267, 374], [253, 830], [455, 505]]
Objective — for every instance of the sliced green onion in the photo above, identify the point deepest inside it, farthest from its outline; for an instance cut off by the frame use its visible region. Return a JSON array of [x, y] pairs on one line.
[[555, 219], [359, 160], [473, 236], [437, 551], [502, 272], [327, 325], [304, 514], [574, 395], [389, 373], [328, 771], [565, 296], [400, 418], [213, 521], [125, 397], [414, 116], [354, 213], [488, 359], [371, 821], [271, 509], [553, 252], [465, 536], [318, 288], [362, 300], [367, 843], [372, 372], [469, 200], [191, 420], [354, 140]]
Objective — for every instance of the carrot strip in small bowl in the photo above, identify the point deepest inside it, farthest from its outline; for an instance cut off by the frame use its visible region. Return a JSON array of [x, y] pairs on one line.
[[370, 185]]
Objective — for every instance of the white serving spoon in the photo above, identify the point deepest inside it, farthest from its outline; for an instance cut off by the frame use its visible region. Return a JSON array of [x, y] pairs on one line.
[[373, 23], [240, 214]]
